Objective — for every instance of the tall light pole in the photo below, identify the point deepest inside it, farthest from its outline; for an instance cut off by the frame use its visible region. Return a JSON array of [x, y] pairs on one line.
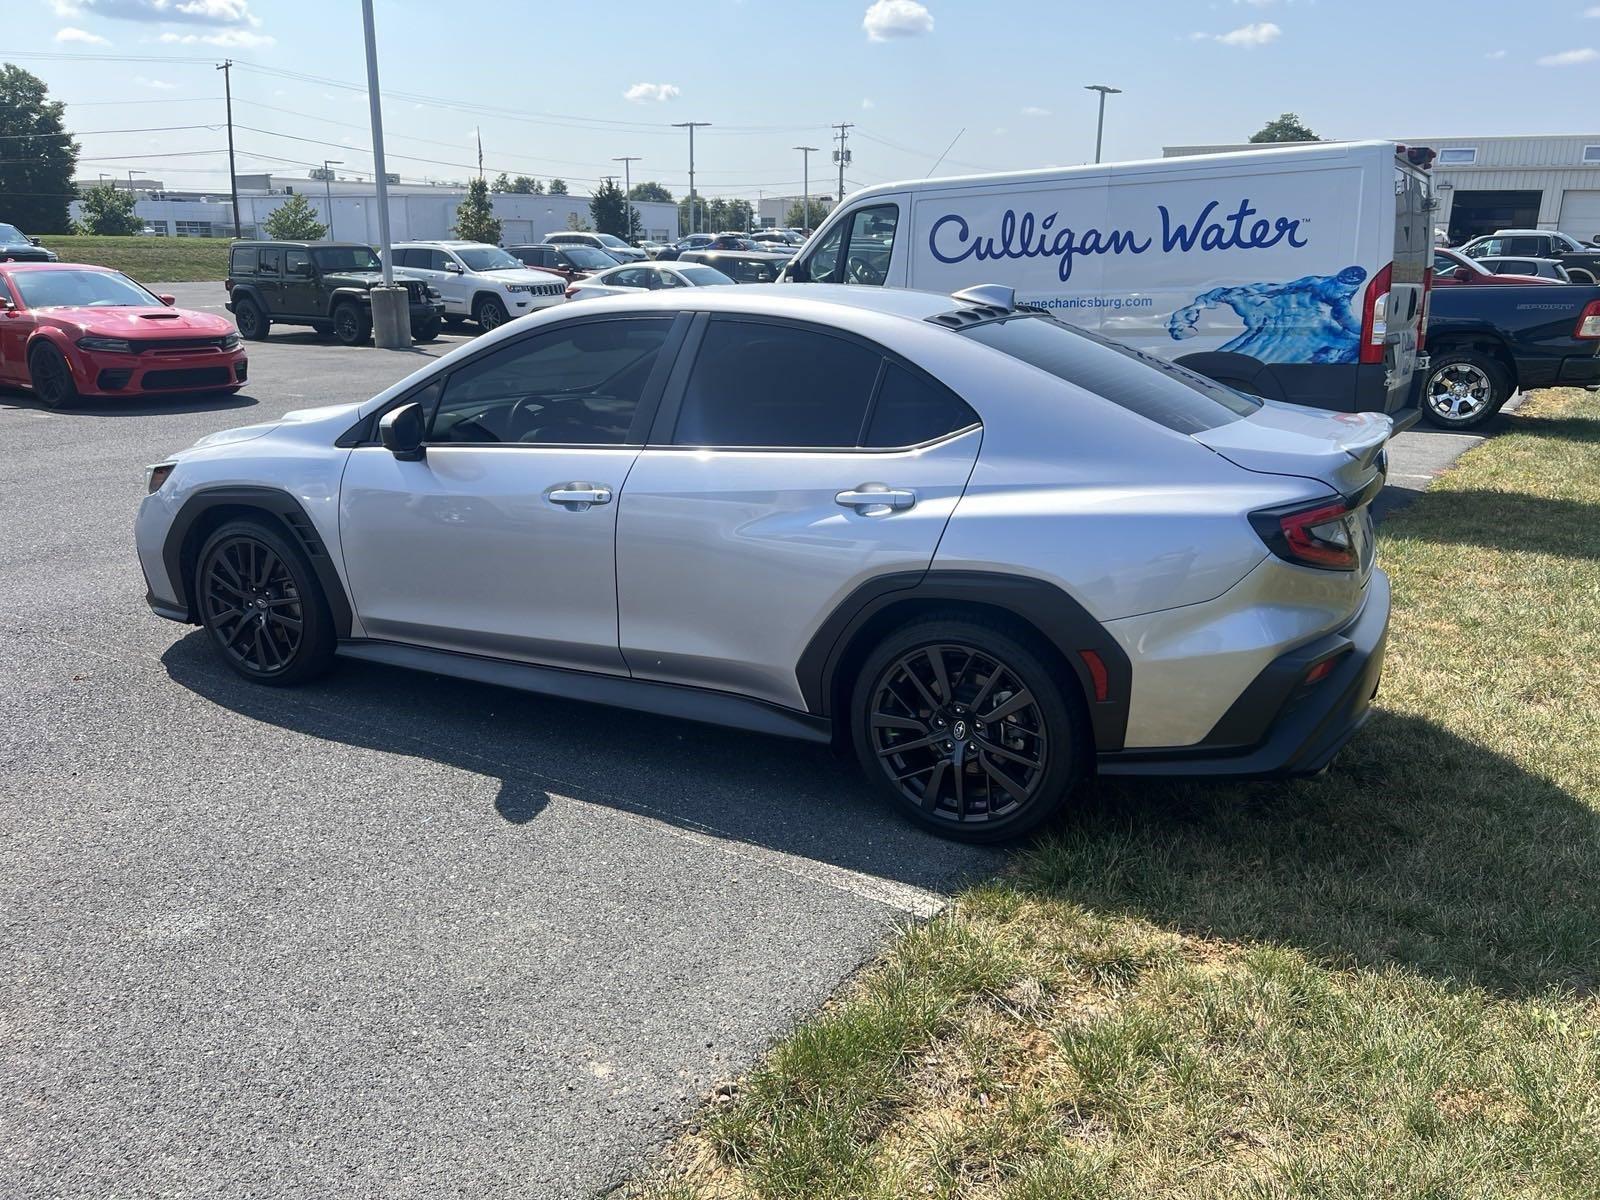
[[233, 175], [1100, 129], [327, 188], [691, 126], [627, 189], [805, 174], [391, 309]]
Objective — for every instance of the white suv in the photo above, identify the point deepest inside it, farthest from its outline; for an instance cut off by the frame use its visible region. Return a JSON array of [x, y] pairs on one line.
[[480, 281], [609, 242]]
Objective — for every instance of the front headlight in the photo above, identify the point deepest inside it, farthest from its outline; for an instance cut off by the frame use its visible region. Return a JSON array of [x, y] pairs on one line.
[[115, 345], [230, 342], [519, 287], [155, 476], [434, 293]]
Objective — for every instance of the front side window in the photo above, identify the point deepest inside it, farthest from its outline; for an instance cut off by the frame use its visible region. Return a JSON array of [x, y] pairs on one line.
[[871, 243], [1154, 388], [1490, 248], [703, 276], [577, 385], [272, 262], [487, 258], [823, 264], [777, 386], [298, 262], [346, 258]]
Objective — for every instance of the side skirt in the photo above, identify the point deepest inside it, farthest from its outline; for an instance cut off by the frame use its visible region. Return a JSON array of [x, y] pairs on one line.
[[663, 699]]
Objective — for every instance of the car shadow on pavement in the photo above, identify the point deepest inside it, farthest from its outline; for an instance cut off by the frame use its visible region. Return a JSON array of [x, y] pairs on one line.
[[791, 797], [1419, 850], [139, 406]]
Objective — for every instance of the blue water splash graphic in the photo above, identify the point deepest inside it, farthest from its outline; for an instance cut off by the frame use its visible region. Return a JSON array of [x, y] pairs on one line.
[[1305, 320]]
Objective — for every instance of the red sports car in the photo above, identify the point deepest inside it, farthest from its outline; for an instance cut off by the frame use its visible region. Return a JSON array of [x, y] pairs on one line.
[[68, 330]]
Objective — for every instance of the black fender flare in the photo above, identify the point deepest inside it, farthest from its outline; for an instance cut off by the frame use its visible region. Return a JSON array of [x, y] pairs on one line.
[[249, 291], [340, 295], [177, 552], [1224, 366], [1064, 623]]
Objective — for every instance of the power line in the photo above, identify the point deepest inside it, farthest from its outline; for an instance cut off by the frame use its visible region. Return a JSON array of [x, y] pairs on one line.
[[102, 132]]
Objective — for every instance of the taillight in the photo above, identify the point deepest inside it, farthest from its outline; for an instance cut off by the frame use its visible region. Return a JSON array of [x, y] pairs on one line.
[[1319, 535], [1422, 319], [227, 285], [1589, 322], [1375, 316]]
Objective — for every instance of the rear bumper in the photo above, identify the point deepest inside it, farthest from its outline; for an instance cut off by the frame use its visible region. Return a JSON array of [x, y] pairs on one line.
[[1278, 728]]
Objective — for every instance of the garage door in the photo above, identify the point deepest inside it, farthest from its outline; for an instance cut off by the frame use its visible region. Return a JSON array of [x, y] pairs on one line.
[[1580, 214]]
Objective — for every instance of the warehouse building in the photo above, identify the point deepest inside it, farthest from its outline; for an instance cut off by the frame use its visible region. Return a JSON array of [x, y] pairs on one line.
[[417, 211], [1542, 181]]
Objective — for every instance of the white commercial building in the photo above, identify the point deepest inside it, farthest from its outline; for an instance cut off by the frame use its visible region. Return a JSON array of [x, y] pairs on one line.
[[1539, 181], [417, 212], [774, 210]]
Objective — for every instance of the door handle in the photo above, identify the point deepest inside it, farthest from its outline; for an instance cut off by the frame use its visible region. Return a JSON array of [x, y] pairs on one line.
[[876, 500], [578, 496]]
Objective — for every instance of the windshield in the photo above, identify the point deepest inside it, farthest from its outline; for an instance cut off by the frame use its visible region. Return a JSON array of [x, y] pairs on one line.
[[704, 276], [588, 257], [488, 258], [81, 289], [11, 235], [611, 239], [345, 258], [1165, 393]]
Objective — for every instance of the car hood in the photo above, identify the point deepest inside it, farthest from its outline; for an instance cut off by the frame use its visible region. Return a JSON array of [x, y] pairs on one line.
[[1342, 450], [366, 279], [526, 275], [348, 413], [155, 321]]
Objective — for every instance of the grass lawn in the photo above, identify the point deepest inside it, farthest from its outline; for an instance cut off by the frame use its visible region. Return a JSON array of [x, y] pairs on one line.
[[148, 259], [1384, 982]]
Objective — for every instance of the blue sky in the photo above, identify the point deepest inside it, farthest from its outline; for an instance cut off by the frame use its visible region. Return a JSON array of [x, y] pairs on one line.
[[563, 88]]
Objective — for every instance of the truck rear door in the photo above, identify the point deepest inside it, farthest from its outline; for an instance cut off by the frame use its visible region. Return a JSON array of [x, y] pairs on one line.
[[1393, 326]]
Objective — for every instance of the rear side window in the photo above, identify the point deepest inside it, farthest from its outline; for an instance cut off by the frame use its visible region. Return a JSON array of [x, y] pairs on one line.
[[242, 260], [272, 261], [778, 386], [911, 409], [1161, 391]]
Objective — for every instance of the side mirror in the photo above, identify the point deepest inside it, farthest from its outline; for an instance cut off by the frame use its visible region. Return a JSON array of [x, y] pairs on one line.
[[169, 301], [5, 303], [452, 266], [797, 272], [401, 431], [35, 241]]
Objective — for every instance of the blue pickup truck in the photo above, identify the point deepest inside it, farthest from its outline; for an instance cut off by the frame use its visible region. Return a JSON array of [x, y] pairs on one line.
[[1485, 343]]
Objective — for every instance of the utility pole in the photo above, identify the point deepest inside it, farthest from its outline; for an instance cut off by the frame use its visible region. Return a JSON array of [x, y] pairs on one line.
[[627, 190], [691, 126], [233, 176], [327, 189], [1100, 129], [479, 134], [391, 309], [842, 154], [805, 173]]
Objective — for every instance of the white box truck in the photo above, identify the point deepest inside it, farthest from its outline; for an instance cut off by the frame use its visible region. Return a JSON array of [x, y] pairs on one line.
[[1298, 274]]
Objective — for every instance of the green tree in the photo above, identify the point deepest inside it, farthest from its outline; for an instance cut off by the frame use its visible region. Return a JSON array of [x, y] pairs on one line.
[[475, 219], [613, 214], [37, 158], [294, 221], [558, 187], [108, 211], [651, 191], [577, 223], [1287, 128], [502, 183], [522, 185], [797, 218]]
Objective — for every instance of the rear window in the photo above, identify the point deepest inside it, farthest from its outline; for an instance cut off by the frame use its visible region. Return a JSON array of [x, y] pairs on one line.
[[1154, 388]]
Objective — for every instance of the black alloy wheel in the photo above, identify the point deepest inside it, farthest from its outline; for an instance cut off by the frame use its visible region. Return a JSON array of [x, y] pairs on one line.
[[967, 728], [428, 331], [351, 325], [259, 600], [252, 322], [51, 377]]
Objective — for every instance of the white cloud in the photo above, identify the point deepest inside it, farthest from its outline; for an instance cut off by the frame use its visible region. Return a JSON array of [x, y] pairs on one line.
[[1033, 110], [1592, 12], [641, 92], [1495, 54], [160, 85], [867, 102], [228, 37], [184, 12], [66, 9], [1249, 36], [1570, 58], [887, 19], [69, 34]]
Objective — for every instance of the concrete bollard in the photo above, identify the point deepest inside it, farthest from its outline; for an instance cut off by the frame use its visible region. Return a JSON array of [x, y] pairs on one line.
[[391, 318]]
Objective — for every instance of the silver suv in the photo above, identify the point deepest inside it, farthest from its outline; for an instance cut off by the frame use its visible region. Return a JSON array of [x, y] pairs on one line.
[[990, 553]]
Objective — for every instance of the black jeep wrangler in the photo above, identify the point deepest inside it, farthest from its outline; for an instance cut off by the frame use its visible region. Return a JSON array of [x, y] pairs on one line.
[[326, 285]]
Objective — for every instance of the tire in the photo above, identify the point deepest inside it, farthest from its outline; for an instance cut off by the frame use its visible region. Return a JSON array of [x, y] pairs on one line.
[[251, 586], [1463, 388], [252, 322], [984, 787], [489, 313], [352, 325], [50, 376], [428, 331]]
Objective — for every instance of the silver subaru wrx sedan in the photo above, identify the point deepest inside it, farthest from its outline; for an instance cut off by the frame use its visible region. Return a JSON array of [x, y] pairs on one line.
[[993, 554]]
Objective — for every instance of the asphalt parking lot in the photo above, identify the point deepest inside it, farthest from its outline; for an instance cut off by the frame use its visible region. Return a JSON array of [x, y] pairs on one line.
[[388, 935]]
